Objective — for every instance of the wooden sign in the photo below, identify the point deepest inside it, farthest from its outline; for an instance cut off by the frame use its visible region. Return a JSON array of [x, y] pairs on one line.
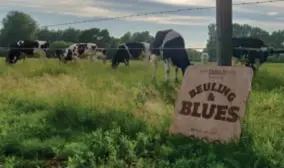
[[212, 102]]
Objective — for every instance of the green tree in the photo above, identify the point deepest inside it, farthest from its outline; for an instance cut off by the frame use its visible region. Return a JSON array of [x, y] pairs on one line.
[[112, 45], [60, 44], [48, 35], [103, 38], [142, 37], [17, 26], [127, 37], [71, 35], [211, 43], [277, 39], [88, 35]]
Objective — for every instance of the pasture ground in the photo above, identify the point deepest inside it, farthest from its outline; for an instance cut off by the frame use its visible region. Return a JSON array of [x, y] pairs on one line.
[[88, 115]]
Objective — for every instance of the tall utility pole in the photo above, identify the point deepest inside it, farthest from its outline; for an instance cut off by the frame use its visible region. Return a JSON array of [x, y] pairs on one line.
[[224, 32]]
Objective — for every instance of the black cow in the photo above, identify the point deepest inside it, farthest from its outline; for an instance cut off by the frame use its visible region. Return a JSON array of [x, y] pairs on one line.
[[129, 50], [252, 51], [26, 47], [170, 44]]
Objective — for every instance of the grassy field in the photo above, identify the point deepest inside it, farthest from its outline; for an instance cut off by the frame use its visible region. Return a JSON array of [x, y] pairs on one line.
[[88, 115]]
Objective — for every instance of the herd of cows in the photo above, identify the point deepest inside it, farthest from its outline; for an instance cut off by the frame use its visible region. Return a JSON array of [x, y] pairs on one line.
[[168, 44]]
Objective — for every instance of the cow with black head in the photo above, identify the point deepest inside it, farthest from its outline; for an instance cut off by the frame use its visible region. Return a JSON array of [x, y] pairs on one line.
[[130, 50], [22, 48], [252, 51], [171, 46]]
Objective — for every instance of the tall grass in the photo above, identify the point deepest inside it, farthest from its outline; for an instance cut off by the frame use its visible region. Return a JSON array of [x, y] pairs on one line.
[[86, 114]]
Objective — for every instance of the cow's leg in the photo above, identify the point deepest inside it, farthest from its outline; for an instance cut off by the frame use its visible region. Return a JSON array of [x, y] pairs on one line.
[[21, 56], [61, 58], [176, 74], [75, 58], [24, 56], [155, 64], [147, 58], [126, 61], [16, 58], [36, 51], [167, 69], [12, 57], [257, 63]]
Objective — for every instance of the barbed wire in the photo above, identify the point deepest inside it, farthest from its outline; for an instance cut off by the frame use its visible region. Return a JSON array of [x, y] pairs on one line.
[[159, 12], [187, 48], [104, 48]]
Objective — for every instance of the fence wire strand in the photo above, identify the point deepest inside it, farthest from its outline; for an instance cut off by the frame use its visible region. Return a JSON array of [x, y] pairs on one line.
[[154, 13], [109, 49], [159, 12]]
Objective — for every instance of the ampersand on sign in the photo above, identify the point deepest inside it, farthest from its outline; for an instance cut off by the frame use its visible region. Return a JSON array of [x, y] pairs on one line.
[[211, 97]]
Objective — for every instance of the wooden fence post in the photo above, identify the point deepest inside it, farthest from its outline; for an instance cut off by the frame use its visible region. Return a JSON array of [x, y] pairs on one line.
[[224, 32]]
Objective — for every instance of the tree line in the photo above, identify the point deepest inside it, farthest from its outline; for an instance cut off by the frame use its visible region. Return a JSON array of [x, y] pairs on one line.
[[18, 25]]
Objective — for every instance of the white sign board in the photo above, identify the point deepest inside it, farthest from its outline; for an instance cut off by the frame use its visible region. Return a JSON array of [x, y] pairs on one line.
[[212, 102]]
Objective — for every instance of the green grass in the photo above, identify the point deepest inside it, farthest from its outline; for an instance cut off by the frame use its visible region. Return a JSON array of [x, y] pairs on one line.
[[88, 115]]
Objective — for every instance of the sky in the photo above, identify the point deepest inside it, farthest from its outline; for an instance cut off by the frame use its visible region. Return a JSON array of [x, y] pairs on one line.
[[191, 24]]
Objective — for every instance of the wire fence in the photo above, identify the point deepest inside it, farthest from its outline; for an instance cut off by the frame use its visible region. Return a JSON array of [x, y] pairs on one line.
[[155, 13], [186, 48], [159, 12], [8, 48]]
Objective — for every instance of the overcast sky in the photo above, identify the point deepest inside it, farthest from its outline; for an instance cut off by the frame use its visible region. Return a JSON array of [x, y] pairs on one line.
[[191, 24]]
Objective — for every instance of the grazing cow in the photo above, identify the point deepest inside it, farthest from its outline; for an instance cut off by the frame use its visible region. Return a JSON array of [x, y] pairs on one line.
[[170, 44], [25, 47], [256, 52], [204, 58], [129, 50], [74, 51]]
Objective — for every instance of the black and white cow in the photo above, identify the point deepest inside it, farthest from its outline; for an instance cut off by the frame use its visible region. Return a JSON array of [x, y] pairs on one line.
[[252, 51], [130, 50], [25, 47], [171, 46], [76, 50]]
